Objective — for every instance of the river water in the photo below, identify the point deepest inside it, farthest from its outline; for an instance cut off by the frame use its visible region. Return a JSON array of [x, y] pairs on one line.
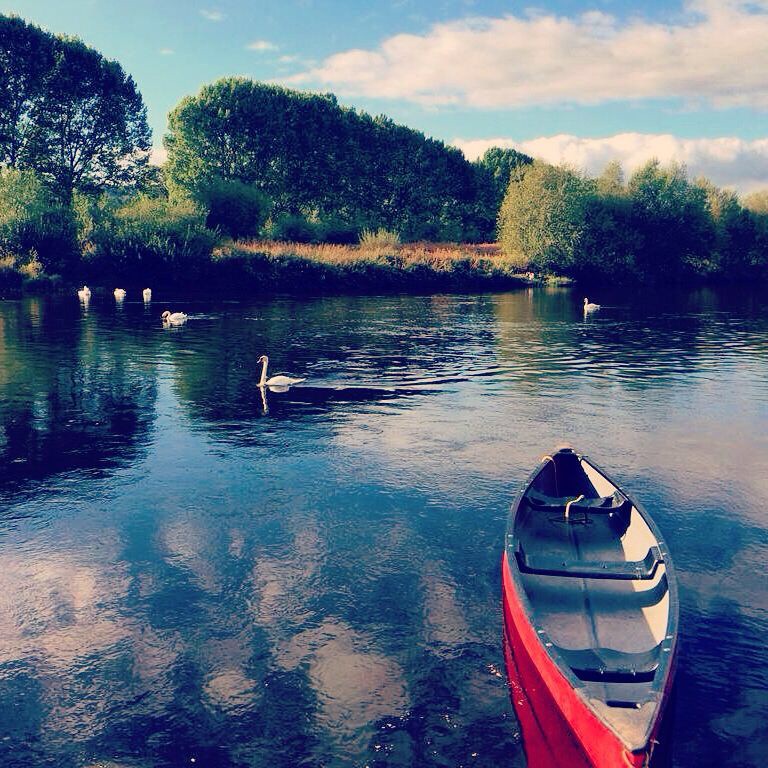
[[192, 573]]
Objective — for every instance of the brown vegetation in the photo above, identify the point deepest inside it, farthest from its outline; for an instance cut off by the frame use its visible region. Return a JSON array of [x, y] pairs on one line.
[[274, 265]]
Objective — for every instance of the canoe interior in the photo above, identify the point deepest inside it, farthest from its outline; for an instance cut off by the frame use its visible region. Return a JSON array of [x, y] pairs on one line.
[[595, 578]]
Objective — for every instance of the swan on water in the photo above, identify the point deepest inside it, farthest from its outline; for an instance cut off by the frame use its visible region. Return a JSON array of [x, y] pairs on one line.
[[84, 293], [175, 318], [147, 294], [119, 293], [588, 307], [274, 381]]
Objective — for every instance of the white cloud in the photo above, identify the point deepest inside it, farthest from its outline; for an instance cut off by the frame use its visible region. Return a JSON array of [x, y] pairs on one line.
[[715, 54], [261, 46], [212, 14], [167, 51], [727, 161]]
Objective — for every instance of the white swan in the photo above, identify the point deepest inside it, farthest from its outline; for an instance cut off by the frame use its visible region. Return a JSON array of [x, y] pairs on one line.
[[175, 318], [590, 307], [119, 293], [84, 293], [274, 381], [147, 294]]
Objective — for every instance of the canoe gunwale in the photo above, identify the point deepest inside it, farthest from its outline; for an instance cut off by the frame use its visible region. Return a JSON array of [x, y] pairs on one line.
[[660, 684]]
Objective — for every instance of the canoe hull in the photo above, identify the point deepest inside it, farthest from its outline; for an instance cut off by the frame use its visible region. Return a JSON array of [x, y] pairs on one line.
[[558, 727]]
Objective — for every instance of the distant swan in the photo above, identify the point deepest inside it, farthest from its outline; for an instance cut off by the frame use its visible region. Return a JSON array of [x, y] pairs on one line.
[[175, 318], [84, 293], [590, 307], [119, 293], [147, 294], [275, 381]]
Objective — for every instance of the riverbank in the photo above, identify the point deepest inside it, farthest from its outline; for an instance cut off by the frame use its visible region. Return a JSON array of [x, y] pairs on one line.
[[268, 266], [272, 266]]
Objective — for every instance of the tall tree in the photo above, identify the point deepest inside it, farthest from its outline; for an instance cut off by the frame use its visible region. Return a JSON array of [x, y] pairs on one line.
[[26, 58], [500, 163], [757, 202], [610, 183], [493, 172], [315, 158], [672, 220], [68, 113], [91, 128]]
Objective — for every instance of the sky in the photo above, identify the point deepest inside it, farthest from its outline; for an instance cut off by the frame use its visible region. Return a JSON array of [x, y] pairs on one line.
[[577, 81]]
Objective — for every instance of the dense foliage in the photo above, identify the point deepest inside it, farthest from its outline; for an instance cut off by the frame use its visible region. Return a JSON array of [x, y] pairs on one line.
[[68, 113], [248, 160], [318, 160], [144, 239], [499, 165], [234, 208], [657, 226], [37, 231]]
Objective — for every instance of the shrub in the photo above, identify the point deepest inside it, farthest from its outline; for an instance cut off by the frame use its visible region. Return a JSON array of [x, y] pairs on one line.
[[293, 229], [10, 276], [237, 209], [339, 232], [380, 238], [34, 225], [150, 239]]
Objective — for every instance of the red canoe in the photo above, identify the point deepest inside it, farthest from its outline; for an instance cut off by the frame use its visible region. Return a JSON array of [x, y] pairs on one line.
[[590, 616]]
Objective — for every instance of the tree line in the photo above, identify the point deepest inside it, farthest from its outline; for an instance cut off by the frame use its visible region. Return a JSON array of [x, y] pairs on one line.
[[315, 159], [248, 159], [657, 225]]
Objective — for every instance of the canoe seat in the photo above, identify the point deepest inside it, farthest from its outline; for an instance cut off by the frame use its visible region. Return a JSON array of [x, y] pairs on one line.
[[609, 666], [546, 565]]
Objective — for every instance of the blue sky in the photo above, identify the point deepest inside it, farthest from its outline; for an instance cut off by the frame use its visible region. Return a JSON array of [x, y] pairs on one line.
[[569, 80]]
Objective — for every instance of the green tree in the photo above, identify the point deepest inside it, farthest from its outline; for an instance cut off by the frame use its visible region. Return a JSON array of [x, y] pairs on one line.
[[69, 114], [542, 222], [610, 183], [318, 160], [34, 225], [26, 59], [757, 202], [609, 241], [492, 174], [674, 226], [735, 233], [500, 163]]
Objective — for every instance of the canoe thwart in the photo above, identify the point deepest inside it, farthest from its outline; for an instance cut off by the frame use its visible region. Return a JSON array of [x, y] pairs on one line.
[[546, 565], [615, 503], [609, 666]]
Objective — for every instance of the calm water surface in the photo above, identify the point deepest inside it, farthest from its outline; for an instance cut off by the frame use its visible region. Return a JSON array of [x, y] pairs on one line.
[[192, 572]]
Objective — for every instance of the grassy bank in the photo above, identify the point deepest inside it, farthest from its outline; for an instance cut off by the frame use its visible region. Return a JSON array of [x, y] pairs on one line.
[[271, 266], [268, 266]]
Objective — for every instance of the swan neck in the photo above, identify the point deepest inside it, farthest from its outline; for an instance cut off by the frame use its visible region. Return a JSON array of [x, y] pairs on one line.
[[263, 379]]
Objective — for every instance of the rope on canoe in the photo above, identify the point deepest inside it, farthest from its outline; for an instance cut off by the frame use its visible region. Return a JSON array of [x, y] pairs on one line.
[[568, 505]]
